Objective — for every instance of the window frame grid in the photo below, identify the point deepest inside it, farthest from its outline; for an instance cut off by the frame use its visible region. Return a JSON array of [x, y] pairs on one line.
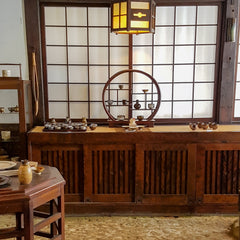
[[214, 100]]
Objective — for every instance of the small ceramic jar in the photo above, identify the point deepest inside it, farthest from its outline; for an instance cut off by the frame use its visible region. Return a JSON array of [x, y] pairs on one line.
[[6, 73], [25, 172], [137, 105]]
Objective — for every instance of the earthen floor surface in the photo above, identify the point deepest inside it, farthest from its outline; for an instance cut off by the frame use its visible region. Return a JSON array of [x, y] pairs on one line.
[[143, 228]]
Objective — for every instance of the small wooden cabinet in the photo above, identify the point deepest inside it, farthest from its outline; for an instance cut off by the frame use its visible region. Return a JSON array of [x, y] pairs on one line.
[[21, 86]]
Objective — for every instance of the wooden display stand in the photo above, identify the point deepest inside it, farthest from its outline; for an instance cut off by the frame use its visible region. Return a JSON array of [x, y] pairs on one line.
[[128, 103]]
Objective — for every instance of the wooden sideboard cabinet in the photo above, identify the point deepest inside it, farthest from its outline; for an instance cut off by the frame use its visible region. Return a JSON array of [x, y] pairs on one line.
[[160, 170]]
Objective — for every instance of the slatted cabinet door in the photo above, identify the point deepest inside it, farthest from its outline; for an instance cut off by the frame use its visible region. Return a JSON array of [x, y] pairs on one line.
[[165, 173], [69, 161], [218, 173], [109, 173]]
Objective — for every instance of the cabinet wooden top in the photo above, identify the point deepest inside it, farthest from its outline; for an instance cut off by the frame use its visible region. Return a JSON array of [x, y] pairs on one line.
[[155, 129]]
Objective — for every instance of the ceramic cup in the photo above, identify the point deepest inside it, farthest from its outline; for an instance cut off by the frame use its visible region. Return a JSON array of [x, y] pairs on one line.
[[151, 105], [120, 117], [6, 73], [6, 135]]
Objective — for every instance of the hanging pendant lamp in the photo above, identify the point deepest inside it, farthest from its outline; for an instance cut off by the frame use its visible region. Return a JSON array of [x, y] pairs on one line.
[[133, 17]]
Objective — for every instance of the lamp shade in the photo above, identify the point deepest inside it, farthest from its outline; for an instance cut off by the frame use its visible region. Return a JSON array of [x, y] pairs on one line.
[[133, 17]]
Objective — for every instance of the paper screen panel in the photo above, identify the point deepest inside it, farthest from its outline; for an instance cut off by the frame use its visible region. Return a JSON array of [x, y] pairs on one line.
[[237, 108], [97, 110], [55, 35], [185, 15], [206, 34], [54, 16], [204, 72], [164, 110], [58, 109], [78, 92], [182, 109], [184, 54], [203, 109], [163, 36], [203, 91], [77, 16], [119, 55], [56, 55], [96, 92], [142, 55], [98, 16], [119, 39], [237, 94], [78, 110], [142, 39], [207, 15], [98, 55], [205, 54], [164, 15], [182, 91], [78, 74], [57, 74], [98, 36], [163, 55], [183, 73], [57, 92], [166, 91], [238, 72], [162, 73], [77, 55], [184, 35], [77, 36], [98, 74]]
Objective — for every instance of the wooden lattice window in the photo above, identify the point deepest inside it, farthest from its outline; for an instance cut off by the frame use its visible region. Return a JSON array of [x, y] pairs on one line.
[[80, 54]]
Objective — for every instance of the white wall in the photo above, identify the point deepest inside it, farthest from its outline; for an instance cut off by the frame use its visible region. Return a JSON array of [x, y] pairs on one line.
[[13, 47]]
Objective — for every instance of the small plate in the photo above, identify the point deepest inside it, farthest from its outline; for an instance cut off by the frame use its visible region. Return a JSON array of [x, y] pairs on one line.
[[7, 165], [4, 180]]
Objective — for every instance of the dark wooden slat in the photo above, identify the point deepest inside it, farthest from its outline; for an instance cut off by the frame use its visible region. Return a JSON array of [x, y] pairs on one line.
[[235, 173], [224, 171], [208, 172], [173, 173], [126, 170], [116, 187], [163, 159], [146, 172], [111, 171], [178, 178], [76, 170], [213, 175], [152, 172], [94, 172], [184, 173], [229, 172], [218, 172], [157, 172], [100, 172], [121, 171], [105, 172]]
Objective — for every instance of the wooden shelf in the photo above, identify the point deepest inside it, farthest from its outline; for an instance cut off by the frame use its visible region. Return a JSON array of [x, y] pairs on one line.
[[16, 83]]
